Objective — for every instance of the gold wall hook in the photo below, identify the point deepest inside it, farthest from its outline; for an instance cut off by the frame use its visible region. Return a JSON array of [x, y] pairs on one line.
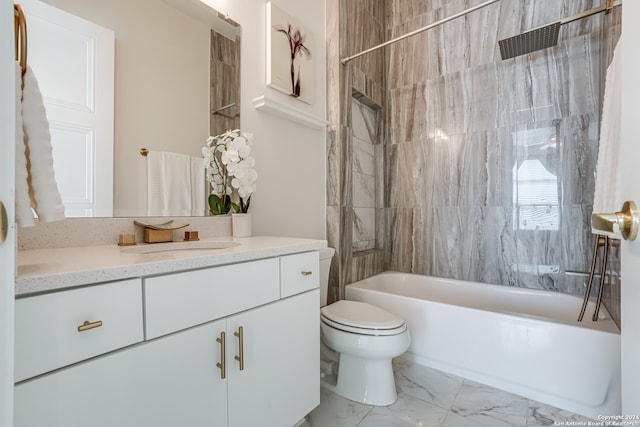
[[20, 30], [626, 222]]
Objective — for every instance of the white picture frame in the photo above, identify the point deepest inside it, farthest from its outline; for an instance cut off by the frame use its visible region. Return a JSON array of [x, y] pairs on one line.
[[290, 48]]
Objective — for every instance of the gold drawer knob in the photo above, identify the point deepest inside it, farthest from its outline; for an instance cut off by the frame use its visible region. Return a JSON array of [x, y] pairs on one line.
[[89, 325], [306, 273]]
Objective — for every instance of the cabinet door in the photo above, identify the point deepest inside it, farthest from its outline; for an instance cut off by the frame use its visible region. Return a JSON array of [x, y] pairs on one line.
[[172, 381], [280, 382]]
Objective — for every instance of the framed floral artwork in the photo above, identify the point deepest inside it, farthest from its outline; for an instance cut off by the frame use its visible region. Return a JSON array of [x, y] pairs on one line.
[[289, 55]]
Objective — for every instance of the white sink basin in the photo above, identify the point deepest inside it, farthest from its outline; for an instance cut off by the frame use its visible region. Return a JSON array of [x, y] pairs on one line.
[[154, 248]]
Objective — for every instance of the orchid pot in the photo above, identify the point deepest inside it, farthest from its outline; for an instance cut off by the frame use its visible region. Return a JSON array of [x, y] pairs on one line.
[[241, 224]]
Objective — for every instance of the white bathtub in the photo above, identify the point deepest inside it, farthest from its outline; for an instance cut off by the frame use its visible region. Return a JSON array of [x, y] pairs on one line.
[[524, 341]]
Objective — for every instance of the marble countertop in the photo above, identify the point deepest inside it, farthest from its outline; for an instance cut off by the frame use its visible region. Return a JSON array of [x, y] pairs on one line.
[[42, 270]]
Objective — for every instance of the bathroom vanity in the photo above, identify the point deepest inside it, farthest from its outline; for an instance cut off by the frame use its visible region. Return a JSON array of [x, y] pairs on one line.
[[193, 337]]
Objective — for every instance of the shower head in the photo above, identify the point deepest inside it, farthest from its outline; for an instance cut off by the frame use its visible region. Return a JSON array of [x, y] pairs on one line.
[[531, 41], [545, 36]]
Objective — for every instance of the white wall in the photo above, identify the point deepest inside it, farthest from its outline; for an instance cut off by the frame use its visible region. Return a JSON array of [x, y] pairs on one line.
[[630, 298], [290, 158], [7, 173]]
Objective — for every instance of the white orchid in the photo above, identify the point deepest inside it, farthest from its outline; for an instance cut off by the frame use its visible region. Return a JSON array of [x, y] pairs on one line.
[[229, 165], [230, 156]]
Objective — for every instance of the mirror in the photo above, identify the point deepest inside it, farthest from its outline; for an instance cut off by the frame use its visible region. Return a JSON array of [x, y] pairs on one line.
[[176, 81]]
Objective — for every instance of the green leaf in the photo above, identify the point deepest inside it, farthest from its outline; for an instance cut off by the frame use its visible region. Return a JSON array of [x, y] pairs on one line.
[[218, 206], [244, 206]]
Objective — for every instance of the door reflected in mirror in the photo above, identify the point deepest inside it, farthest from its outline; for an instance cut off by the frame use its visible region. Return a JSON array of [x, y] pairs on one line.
[[175, 81]]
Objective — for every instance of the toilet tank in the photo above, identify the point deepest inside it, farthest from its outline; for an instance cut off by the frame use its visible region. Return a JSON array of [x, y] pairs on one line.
[[325, 264]]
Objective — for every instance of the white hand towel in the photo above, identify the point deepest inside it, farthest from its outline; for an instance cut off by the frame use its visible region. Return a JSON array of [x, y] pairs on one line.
[[197, 187], [607, 197], [24, 215], [168, 184], [34, 158]]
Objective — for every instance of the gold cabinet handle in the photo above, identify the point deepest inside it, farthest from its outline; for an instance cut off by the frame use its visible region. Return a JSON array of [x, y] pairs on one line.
[[223, 355], [240, 335], [306, 273], [89, 325], [625, 222]]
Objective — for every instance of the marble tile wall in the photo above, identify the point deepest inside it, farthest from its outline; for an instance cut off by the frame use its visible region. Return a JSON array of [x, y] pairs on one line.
[[367, 178], [492, 162], [488, 165], [225, 83], [356, 225]]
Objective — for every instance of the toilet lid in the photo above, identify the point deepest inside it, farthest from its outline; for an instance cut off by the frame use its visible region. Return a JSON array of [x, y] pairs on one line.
[[361, 315]]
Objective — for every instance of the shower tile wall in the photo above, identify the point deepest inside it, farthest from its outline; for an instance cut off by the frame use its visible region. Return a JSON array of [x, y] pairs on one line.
[[366, 197], [354, 25], [488, 165], [225, 87], [492, 162]]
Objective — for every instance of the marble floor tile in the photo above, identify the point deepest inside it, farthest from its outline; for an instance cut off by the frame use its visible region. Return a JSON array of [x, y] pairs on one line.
[[430, 398], [489, 406], [454, 420], [540, 414], [407, 411], [336, 411], [427, 384]]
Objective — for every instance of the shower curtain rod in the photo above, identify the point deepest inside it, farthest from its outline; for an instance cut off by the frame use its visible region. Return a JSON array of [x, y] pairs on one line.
[[419, 30]]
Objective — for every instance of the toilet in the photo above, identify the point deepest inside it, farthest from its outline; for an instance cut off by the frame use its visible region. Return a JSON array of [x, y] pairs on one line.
[[358, 342]]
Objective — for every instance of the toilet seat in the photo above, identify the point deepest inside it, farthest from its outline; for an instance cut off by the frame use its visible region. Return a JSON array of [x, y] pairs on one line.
[[362, 318]]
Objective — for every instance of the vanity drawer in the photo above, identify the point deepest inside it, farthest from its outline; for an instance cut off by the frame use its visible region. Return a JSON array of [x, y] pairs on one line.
[[299, 273], [181, 300], [47, 326]]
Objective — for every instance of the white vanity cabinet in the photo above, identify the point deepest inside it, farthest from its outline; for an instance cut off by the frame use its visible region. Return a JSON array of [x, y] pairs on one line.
[[281, 363], [268, 374], [171, 381]]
